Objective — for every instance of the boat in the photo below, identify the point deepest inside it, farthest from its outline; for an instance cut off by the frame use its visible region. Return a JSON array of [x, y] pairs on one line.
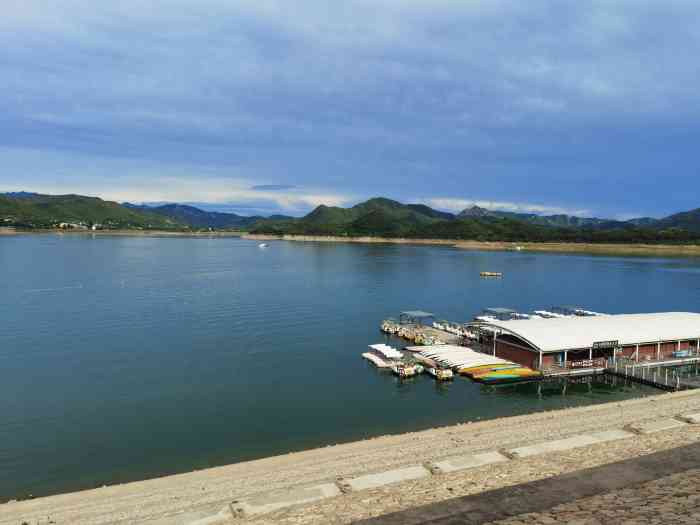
[[403, 370], [441, 374], [473, 371], [491, 274], [262, 245], [508, 375], [376, 360], [386, 351]]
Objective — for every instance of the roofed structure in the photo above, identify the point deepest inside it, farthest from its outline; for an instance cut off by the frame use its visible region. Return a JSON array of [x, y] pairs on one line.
[[555, 335]]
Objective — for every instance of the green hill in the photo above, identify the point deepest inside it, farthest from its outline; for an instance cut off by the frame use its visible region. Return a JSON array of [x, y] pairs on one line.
[[387, 218], [200, 219], [31, 210], [687, 220]]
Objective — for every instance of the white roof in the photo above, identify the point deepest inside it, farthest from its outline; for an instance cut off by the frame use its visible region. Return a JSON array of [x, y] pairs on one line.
[[387, 351], [550, 335]]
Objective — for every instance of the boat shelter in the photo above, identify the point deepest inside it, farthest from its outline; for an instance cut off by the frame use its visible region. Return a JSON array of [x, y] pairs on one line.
[[418, 317], [591, 341]]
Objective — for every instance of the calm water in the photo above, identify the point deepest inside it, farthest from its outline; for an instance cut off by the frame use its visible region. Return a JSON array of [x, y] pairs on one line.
[[125, 358]]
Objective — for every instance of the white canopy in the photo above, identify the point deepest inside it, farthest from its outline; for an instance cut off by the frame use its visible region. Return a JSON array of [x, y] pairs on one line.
[[387, 351]]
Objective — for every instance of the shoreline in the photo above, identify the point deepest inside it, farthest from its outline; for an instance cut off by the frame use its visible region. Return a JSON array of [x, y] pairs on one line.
[[643, 250], [208, 490], [554, 247], [123, 233]]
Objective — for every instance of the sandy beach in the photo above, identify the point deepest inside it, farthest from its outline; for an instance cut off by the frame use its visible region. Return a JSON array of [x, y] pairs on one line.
[[208, 491]]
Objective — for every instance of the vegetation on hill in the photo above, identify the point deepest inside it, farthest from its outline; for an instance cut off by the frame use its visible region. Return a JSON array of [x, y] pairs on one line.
[[201, 219], [377, 217], [31, 210], [386, 218]]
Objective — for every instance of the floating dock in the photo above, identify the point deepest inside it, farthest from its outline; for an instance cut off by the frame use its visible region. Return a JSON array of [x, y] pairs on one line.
[[376, 360]]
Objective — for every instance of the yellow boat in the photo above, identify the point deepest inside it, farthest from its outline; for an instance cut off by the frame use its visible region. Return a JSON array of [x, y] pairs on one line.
[[470, 371], [508, 375]]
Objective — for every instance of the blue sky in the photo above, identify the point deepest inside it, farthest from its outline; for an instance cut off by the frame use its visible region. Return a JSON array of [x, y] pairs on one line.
[[270, 106]]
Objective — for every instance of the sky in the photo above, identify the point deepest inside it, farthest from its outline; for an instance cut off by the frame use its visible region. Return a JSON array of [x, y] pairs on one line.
[[272, 106]]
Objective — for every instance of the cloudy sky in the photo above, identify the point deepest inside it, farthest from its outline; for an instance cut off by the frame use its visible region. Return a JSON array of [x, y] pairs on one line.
[[271, 105]]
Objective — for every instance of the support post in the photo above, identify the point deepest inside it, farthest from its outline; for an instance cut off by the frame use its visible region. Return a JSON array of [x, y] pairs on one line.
[[636, 353], [590, 353], [658, 350], [495, 336], [565, 358], [540, 366]]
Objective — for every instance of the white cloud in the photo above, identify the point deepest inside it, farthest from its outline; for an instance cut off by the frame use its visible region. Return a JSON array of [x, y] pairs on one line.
[[135, 181]]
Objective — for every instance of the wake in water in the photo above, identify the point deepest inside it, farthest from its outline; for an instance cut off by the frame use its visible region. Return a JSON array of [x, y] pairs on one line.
[[59, 289]]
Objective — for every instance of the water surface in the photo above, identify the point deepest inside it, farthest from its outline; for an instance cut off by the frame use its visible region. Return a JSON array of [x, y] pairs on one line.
[[123, 358]]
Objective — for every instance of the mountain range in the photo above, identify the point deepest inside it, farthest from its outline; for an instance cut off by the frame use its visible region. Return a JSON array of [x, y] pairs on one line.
[[389, 218], [375, 217], [197, 218]]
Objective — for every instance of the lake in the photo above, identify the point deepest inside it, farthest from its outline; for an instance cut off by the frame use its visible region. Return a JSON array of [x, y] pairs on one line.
[[123, 358]]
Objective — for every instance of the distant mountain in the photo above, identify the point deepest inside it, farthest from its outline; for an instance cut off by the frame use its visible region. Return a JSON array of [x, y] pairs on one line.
[[19, 194], [687, 220], [643, 221], [33, 210], [198, 218], [387, 218], [375, 217], [560, 220]]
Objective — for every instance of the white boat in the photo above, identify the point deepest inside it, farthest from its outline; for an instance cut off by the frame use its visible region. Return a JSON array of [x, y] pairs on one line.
[[376, 360], [262, 245], [386, 351]]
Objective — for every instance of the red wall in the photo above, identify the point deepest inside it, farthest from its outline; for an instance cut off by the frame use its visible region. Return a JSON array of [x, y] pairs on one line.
[[667, 349], [517, 355], [627, 351], [647, 350]]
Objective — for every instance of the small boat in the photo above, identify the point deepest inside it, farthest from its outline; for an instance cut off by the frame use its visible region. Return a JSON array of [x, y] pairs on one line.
[[402, 370], [262, 245], [491, 274], [441, 374], [473, 371], [376, 360]]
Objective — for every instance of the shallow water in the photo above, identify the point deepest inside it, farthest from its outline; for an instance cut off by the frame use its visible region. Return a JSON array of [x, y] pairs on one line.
[[123, 358]]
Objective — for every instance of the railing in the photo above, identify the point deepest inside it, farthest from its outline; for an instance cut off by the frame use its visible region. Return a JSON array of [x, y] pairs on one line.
[[661, 376]]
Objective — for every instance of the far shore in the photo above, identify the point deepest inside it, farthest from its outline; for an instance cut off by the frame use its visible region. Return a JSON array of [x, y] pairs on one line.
[[125, 233], [561, 247], [653, 250]]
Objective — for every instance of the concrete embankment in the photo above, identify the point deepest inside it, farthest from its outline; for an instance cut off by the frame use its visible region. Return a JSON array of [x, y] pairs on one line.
[[658, 250], [207, 496]]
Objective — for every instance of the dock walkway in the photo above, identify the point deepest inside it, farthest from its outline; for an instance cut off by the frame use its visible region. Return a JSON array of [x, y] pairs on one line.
[[659, 374]]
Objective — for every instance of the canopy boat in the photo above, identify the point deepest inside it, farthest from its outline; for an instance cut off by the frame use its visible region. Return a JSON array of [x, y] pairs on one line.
[[403, 370], [441, 374]]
